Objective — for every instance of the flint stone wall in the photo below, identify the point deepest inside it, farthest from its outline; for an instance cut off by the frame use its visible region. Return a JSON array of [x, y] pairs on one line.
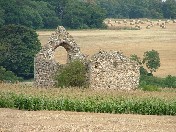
[[45, 66], [107, 70], [112, 70]]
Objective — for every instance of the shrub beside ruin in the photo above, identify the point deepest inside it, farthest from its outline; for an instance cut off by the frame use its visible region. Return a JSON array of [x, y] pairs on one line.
[[72, 75]]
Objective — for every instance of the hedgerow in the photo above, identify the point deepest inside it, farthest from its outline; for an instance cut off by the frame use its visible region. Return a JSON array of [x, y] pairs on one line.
[[167, 82]]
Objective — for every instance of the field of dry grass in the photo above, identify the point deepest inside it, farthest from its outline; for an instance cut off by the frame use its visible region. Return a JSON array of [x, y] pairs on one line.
[[127, 41]]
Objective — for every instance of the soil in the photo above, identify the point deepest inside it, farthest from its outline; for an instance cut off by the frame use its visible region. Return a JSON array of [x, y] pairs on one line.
[[60, 121]]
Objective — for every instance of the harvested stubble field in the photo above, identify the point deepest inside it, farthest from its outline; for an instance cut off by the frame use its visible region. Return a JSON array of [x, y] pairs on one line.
[[127, 41], [60, 121]]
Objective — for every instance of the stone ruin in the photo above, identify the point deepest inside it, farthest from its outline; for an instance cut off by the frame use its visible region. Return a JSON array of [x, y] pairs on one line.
[[45, 65], [112, 70], [107, 70]]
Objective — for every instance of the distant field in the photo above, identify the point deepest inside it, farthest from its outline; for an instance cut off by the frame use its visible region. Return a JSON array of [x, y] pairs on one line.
[[127, 41]]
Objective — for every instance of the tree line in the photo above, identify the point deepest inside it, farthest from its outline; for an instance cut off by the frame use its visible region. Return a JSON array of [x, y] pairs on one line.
[[79, 14], [139, 8], [39, 14]]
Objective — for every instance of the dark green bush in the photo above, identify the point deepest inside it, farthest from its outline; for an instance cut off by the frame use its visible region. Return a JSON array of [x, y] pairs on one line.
[[147, 80], [151, 80], [73, 74], [150, 88], [170, 81], [8, 76]]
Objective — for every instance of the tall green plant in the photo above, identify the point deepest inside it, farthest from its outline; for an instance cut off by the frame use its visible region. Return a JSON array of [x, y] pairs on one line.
[[151, 60], [145, 106]]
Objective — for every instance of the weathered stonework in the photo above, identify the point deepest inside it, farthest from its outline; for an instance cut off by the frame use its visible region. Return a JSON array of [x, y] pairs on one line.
[[112, 70], [107, 70], [45, 66]]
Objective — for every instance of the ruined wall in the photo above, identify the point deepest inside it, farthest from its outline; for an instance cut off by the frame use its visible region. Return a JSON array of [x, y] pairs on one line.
[[45, 65], [112, 70], [107, 70]]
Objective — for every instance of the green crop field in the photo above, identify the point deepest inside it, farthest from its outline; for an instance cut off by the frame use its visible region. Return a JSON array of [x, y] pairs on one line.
[[87, 100]]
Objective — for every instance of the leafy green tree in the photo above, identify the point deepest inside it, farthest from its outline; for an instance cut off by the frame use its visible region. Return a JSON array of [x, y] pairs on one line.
[[95, 16], [143, 71], [136, 58], [19, 12], [152, 60], [169, 9], [18, 46], [34, 14], [137, 12], [11, 11], [30, 18], [75, 14], [155, 8], [80, 13], [2, 15], [132, 8], [111, 7], [47, 13]]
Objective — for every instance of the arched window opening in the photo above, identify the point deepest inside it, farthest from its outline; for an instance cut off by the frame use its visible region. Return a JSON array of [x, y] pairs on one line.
[[60, 55]]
